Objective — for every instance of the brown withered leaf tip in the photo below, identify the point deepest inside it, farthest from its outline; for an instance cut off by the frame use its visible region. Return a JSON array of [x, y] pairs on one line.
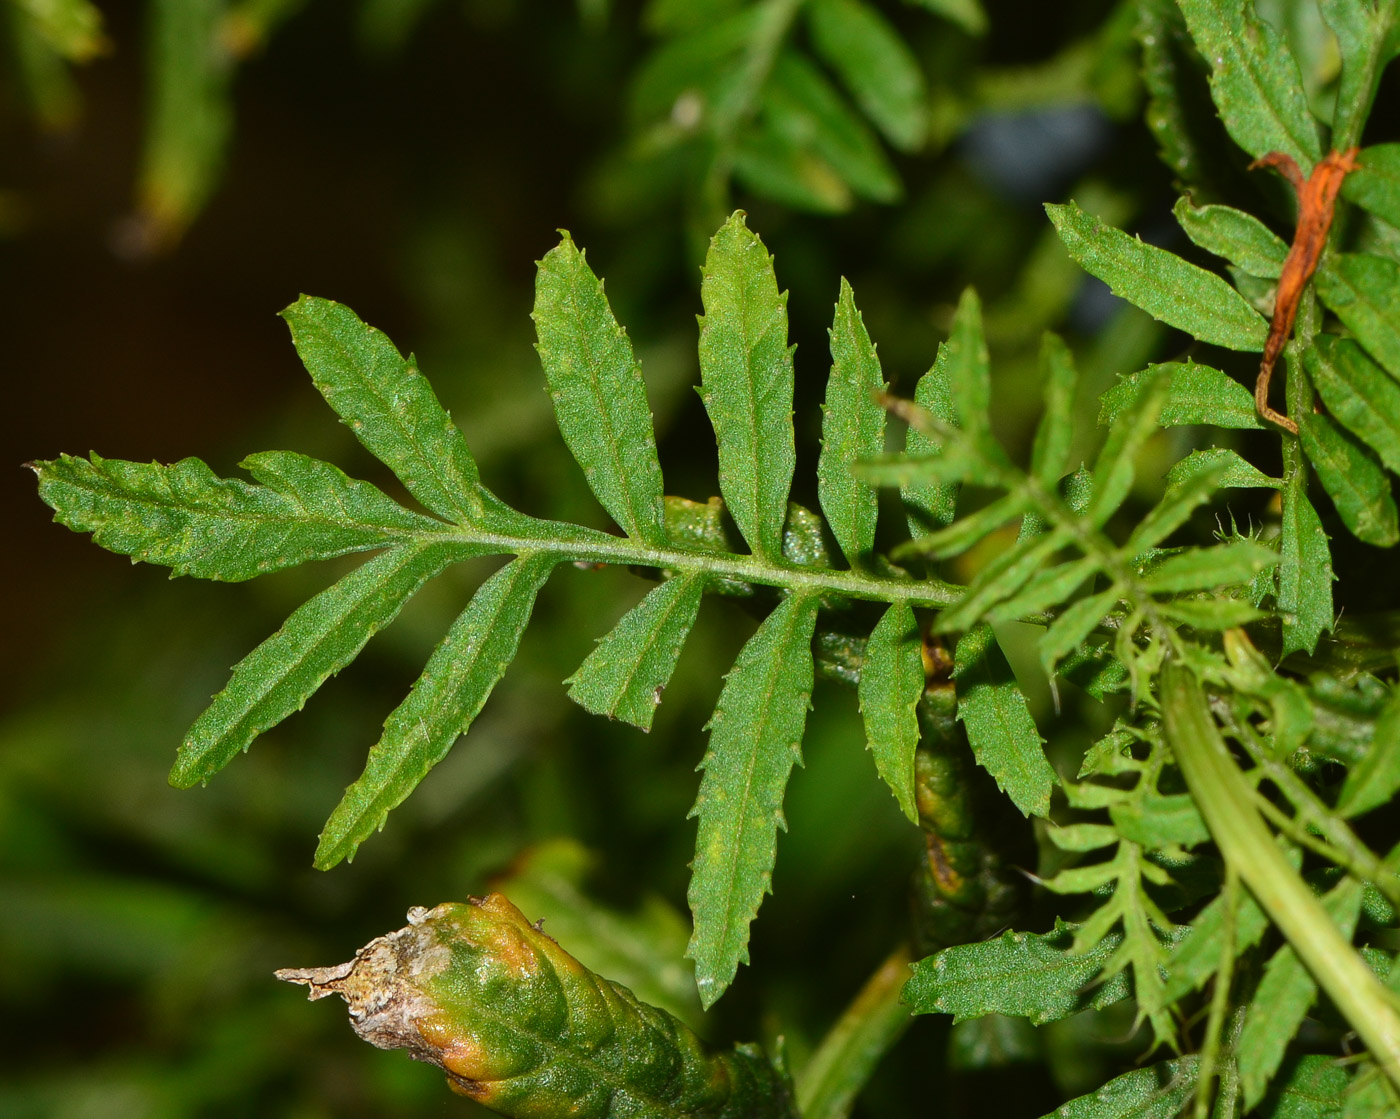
[[1317, 199]]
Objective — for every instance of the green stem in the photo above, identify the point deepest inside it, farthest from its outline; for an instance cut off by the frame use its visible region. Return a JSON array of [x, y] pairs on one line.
[[875, 1020], [1225, 799], [1219, 996]]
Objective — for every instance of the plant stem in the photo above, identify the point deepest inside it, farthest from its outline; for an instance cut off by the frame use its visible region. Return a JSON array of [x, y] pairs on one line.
[[1225, 800], [875, 1020]]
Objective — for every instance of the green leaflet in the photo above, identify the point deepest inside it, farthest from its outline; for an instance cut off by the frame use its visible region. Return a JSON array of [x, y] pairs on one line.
[[441, 706], [521, 1026], [802, 108], [930, 505], [187, 518], [999, 726], [1373, 780], [1211, 613], [775, 165], [1304, 572], [1364, 291], [1360, 30], [968, 370], [1176, 101], [876, 66], [1254, 80], [1161, 283], [1114, 469], [755, 739], [1176, 507], [963, 533], [747, 378], [1375, 184], [1001, 578], [1202, 568], [1283, 998], [1371, 1095], [1158, 1092], [1353, 480], [1234, 470], [623, 677], [1198, 395], [1024, 975], [320, 638], [967, 14], [1055, 435], [190, 113], [1358, 394], [853, 427], [600, 399], [1046, 589], [73, 28], [1310, 1087], [1240, 238], [388, 404], [891, 683], [1153, 821], [1074, 625]]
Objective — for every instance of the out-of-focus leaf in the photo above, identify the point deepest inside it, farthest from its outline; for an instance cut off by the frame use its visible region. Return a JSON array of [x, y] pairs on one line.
[[1175, 508], [1283, 998], [1254, 80], [1074, 625], [999, 726], [1000, 579], [876, 66], [1025, 975], [807, 111], [600, 400], [968, 370], [381, 397], [1358, 394], [72, 28], [1199, 394], [1311, 1087], [1135, 423], [187, 518], [1305, 571], [1157, 1092], [1373, 780], [1236, 472], [962, 534], [624, 675], [1055, 435], [1047, 588], [1240, 238], [1154, 821], [931, 505], [891, 682], [320, 638], [445, 700], [1176, 98], [699, 63], [853, 427], [1353, 480], [746, 375], [1161, 283], [755, 739], [771, 165], [1203, 568], [967, 14], [189, 114], [521, 1026], [1375, 184], [1211, 612], [1364, 291]]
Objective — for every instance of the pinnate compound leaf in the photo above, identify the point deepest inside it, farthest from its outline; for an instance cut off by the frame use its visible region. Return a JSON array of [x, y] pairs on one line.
[[1235, 471], [1203, 568], [853, 427], [521, 1026], [624, 675], [1353, 480], [999, 726], [1375, 184], [320, 638], [891, 683], [441, 706], [187, 518], [1115, 468], [600, 399], [931, 505], [1364, 292], [1358, 394], [1055, 434], [1240, 238], [1305, 571], [747, 380], [1160, 1091], [755, 739], [1022, 975], [388, 404], [1161, 283], [1373, 780], [876, 66], [1199, 394], [1255, 80], [1283, 998]]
